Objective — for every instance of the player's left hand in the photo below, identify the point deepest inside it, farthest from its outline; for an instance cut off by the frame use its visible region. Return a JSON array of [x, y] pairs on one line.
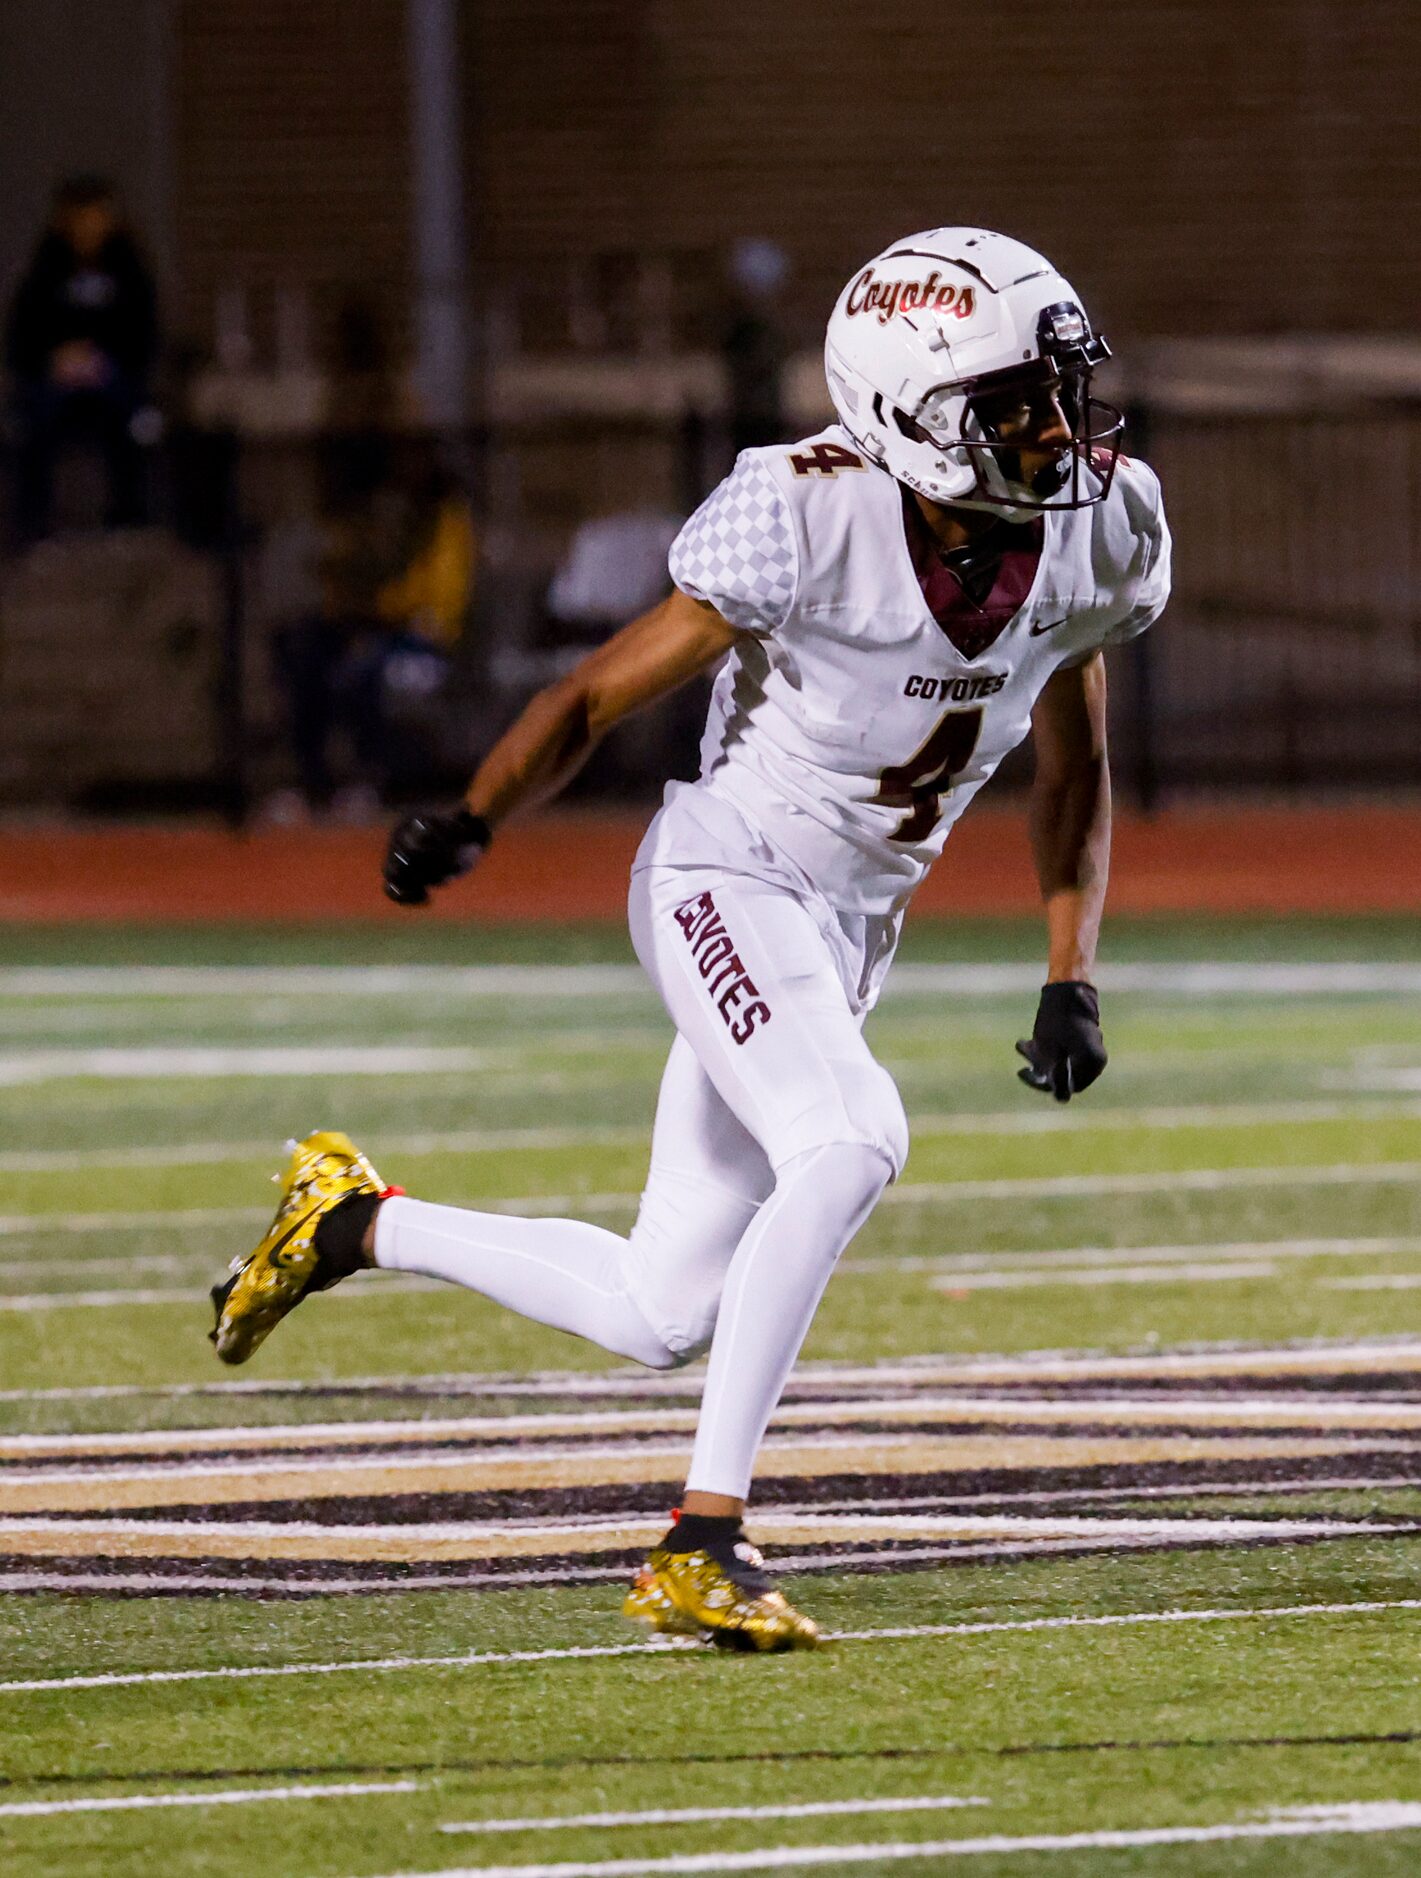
[[1065, 1051], [430, 849]]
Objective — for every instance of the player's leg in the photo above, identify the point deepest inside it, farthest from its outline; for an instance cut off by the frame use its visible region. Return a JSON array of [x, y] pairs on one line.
[[773, 1288], [749, 977], [651, 1297], [707, 1180]]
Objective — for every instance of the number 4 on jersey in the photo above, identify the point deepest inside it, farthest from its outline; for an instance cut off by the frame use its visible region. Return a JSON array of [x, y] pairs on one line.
[[918, 784], [825, 459]]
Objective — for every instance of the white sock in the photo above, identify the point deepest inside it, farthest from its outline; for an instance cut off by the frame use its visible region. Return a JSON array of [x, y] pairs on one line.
[[557, 1271], [772, 1290]]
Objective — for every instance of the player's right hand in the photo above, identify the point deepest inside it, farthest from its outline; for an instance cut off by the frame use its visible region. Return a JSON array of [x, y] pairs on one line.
[[430, 849]]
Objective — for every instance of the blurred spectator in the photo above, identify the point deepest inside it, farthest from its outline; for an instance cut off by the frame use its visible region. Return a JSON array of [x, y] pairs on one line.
[[395, 575], [614, 569], [754, 346], [80, 343]]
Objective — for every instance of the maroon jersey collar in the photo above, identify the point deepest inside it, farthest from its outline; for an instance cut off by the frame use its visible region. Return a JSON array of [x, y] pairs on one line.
[[973, 624]]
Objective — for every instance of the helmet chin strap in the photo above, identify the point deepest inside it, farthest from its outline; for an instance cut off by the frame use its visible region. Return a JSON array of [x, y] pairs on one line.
[[1000, 506], [1018, 502]]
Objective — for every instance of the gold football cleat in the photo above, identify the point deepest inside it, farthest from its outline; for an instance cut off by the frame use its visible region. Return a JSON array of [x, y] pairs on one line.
[[651, 1605], [325, 1169], [693, 1594]]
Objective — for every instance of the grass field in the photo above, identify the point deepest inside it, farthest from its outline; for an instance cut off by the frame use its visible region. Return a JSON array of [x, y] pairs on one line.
[[1103, 1462]]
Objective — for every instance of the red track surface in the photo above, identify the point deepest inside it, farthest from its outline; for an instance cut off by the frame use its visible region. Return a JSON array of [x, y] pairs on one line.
[[573, 865]]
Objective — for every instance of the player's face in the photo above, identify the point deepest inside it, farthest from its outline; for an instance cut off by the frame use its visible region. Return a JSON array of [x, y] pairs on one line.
[[1034, 426]]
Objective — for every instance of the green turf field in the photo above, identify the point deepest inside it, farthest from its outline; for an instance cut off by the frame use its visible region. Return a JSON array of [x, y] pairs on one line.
[[1104, 1461]]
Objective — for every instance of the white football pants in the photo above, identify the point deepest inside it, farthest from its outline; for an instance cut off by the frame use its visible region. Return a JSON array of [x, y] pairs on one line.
[[775, 1133]]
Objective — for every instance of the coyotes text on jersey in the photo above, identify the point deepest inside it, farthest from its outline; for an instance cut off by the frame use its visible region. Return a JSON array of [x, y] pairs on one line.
[[845, 726]]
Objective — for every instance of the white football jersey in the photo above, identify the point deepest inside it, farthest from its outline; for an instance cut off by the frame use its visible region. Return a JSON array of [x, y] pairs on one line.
[[845, 726]]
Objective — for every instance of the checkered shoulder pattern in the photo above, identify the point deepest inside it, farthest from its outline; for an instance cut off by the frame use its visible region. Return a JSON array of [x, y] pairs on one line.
[[738, 551]]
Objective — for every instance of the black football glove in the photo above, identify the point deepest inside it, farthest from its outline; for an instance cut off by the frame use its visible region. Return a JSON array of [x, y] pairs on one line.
[[1065, 1052], [430, 849]]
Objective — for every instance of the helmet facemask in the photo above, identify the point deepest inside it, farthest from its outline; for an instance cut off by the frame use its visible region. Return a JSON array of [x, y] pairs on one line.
[[989, 421]]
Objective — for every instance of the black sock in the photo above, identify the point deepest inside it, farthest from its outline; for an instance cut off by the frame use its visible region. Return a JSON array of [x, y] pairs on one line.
[[695, 1532], [340, 1235], [725, 1541]]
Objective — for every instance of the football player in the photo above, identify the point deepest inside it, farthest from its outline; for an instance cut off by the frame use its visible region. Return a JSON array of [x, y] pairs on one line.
[[892, 604]]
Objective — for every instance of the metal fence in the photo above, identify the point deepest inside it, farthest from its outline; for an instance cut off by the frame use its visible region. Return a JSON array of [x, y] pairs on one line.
[[1289, 659]]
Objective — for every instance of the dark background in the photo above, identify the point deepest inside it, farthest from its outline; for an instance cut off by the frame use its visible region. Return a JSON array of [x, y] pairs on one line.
[[1243, 167], [1234, 188]]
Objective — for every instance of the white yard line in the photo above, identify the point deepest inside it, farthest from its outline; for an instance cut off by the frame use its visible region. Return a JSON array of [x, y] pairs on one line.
[[611, 1534], [108, 1583], [366, 1666], [1192, 978], [900, 1554], [1187, 1490], [454, 1141], [1110, 1264], [1374, 1281], [491, 1658], [1226, 1250], [1373, 1816], [475, 1141], [219, 1062], [1073, 1120], [469, 1459], [907, 1193], [477, 1579], [302, 981], [1067, 1526], [693, 1815], [1306, 1359], [228, 1796], [1376, 1081], [410, 1431], [197, 1262], [97, 1300], [1187, 1180], [1359, 1412], [194, 1293], [14, 1225], [1212, 1272]]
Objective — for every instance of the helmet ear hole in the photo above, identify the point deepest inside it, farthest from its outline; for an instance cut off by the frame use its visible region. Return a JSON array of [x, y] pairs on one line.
[[909, 427]]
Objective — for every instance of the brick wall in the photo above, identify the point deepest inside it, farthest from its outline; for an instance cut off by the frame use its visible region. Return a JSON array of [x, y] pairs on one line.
[[290, 136], [1199, 165]]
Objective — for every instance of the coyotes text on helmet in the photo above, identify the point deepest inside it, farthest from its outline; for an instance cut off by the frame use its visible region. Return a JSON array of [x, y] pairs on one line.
[[887, 297]]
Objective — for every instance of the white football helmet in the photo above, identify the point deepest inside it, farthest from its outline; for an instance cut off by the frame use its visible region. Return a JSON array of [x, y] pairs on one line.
[[942, 335]]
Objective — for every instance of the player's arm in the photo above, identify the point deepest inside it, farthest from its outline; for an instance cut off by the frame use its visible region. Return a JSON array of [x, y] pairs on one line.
[[562, 725], [554, 736], [1070, 842]]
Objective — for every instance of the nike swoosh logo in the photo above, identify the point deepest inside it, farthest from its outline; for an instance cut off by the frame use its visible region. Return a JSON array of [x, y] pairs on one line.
[[1049, 627], [275, 1251]]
